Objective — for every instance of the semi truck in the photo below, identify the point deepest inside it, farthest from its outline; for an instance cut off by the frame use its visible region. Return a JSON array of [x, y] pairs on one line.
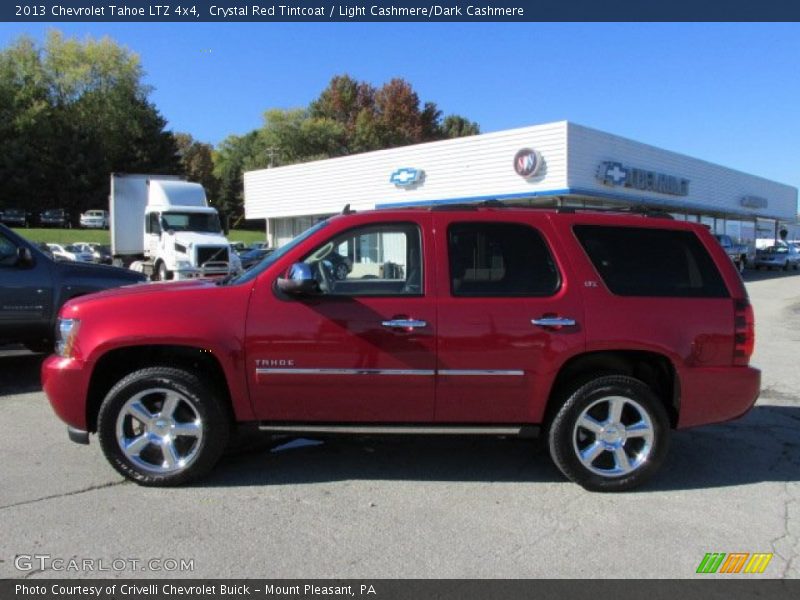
[[162, 226]]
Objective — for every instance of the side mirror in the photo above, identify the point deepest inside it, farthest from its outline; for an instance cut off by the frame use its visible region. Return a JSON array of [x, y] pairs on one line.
[[24, 257], [299, 282]]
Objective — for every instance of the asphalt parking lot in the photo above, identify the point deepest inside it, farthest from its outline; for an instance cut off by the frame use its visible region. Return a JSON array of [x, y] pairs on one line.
[[411, 507]]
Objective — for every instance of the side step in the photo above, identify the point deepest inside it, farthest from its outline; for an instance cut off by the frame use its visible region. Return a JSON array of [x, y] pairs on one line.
[[525, 431]]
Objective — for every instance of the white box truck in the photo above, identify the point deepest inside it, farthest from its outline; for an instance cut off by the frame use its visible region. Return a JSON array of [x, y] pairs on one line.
[[163, 226]]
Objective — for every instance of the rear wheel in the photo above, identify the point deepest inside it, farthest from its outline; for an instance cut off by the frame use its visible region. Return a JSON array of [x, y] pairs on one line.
[[162, 426], [611, 434]]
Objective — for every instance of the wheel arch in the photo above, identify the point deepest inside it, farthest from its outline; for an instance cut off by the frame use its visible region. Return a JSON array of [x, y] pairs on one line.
[[119, 362], [654, 369]]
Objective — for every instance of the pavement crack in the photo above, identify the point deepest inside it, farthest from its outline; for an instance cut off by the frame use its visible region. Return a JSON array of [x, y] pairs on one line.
[[788, 557], [91, 488]]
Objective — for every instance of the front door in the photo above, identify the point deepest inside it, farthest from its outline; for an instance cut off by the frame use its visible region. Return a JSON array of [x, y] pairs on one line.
[[361, 351], [506, 312], [26, 295]]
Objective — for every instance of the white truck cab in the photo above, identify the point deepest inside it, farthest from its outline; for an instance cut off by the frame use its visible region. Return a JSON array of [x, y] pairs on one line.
[[164, 227]]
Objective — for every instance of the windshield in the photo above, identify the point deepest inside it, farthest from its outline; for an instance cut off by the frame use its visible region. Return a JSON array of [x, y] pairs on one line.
[[190, 221], [270, 259]]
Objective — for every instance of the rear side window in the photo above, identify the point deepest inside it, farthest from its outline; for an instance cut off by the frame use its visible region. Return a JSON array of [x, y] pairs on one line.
[[636, 261], [499, 259]]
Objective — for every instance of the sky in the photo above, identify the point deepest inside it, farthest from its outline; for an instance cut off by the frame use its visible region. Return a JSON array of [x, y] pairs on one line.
[[726, 93]]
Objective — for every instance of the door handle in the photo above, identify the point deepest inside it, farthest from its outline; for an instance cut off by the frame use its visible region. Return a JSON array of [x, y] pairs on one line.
[[407, 324], [554, 322]]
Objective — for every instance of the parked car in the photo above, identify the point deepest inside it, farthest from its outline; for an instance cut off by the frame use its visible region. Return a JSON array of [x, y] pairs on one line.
[[340, 266], [778, 257], [35, 287], [254, 256], [602, 332], [740, 254], [14, 217], [54, 217], [59, 252], [81, 253], [239, 247], [95, 219], [99, 253]]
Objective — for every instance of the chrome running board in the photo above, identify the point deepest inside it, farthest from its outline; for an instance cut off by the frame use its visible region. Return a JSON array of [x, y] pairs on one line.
[[384, 429]]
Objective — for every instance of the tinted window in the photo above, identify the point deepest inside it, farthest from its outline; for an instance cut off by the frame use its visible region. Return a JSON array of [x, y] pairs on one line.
[[636, 261], [499, 259], [384, 260]]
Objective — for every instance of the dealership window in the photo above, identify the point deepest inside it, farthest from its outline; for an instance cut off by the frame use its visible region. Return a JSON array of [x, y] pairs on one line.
[[499, 259], [383, 260]]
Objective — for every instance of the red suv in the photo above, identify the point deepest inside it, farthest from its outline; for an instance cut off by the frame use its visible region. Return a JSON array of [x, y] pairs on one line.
[[601, 331]]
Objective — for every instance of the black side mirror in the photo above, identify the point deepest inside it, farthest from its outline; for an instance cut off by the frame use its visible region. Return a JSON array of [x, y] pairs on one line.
[[24, 257], [299, 282]]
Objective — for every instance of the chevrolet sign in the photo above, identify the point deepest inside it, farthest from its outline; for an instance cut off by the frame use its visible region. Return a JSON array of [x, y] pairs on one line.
[[407, 177], [614, 173]]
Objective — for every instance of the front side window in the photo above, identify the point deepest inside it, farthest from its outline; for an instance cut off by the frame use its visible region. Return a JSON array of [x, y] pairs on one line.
[[498, 260], [8, 252], [375, 260]]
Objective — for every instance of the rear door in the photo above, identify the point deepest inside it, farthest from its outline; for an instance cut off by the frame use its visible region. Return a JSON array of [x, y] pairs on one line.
[[507, 312]]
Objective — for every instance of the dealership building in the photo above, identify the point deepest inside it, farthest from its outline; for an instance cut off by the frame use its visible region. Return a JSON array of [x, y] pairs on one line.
[[555, 164]]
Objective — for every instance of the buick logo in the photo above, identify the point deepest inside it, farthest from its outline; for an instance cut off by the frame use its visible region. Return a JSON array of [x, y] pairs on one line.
[[527, 162]]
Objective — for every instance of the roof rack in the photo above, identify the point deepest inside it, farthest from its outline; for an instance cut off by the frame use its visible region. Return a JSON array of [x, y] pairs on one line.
[[493, 203], [645, 211]]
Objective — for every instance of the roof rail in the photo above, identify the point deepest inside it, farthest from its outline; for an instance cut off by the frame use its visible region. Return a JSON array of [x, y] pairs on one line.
[[645, 211]]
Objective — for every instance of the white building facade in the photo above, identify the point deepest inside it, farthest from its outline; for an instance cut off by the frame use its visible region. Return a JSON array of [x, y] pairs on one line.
[[555, 164]]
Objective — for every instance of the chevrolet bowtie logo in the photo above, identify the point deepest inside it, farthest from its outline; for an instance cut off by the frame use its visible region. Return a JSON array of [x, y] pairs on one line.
[[612, 173], [406, 177]]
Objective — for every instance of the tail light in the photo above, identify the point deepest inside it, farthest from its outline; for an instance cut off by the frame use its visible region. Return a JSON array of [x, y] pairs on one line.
[[744, 331]]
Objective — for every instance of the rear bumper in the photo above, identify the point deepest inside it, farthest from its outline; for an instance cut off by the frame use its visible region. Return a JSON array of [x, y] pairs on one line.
[[65, 382], [717, 394]]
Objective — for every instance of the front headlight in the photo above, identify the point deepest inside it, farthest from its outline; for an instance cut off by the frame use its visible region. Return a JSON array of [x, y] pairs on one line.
[[66, 332], [183, 265]]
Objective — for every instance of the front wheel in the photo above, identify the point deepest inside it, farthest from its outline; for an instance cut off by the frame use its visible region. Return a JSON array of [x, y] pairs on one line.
[[162, 426], [162, 273], [610, 435]]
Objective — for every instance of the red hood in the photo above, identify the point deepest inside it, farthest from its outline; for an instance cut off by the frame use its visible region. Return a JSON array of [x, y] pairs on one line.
[[145, 288]]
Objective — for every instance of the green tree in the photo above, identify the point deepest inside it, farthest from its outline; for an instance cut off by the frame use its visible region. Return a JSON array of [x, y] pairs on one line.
[[197, 164], [72, 112]]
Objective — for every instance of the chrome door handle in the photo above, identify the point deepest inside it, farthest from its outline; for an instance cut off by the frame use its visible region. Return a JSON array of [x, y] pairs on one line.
[[553, 322], [404, 324]]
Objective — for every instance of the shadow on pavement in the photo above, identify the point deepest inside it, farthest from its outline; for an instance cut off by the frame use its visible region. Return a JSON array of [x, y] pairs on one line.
[[762, 446], [19, 371]]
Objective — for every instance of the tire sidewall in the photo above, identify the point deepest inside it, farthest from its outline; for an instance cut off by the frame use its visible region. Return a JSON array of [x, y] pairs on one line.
[[561, 432], [215, 423]]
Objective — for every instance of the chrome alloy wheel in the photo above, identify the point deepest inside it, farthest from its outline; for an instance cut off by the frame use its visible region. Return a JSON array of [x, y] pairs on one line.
[[159, 431], [613, 436]]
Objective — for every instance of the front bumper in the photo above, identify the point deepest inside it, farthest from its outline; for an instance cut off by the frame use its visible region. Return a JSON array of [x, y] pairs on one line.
[[66, 382], [717, 394]]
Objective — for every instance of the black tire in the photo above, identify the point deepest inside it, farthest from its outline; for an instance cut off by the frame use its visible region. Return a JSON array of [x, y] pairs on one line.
[[565, 436], [786, 266], [148, 387], [161, 273]]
